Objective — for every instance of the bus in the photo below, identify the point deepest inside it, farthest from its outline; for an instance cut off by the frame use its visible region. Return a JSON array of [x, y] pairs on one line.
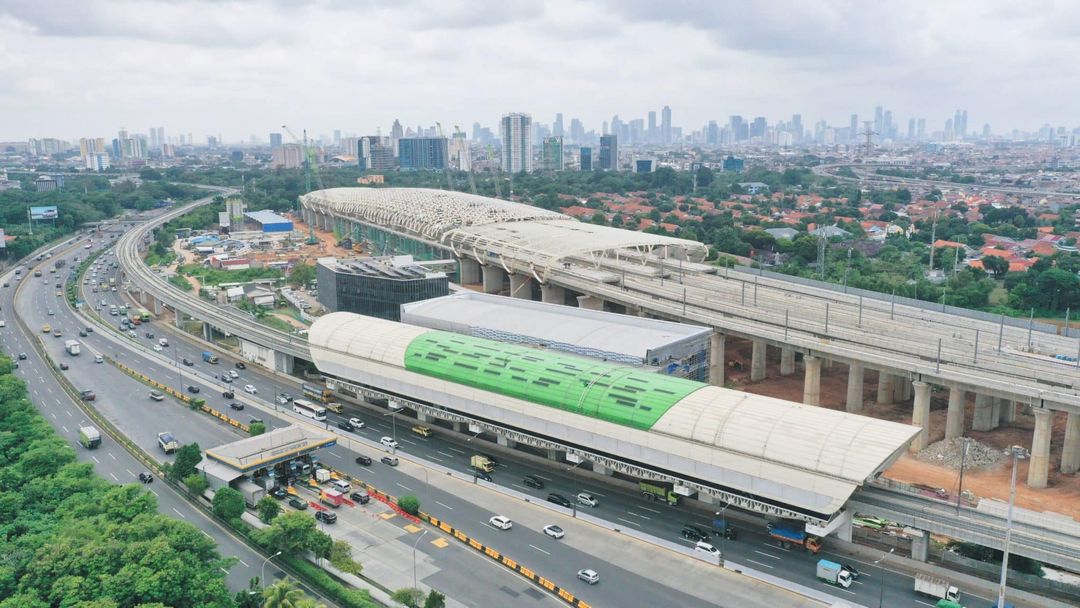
[[309, 409], [143, 315], [315, 392], [123, 309]]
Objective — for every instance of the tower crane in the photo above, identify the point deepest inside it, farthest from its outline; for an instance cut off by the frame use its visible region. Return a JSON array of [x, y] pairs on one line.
[[310, 169], [461, 136]]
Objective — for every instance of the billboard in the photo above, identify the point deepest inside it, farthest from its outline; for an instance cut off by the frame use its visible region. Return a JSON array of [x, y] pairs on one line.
[[43, 213]]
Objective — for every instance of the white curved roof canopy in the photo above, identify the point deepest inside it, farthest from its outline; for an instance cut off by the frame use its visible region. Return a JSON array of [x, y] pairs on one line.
[[482, 227]]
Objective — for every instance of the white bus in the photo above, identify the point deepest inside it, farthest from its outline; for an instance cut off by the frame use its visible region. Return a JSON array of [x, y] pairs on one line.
[[309, 409]]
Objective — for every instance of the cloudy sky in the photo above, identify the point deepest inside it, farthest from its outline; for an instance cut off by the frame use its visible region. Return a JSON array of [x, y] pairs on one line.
[[74, 68]]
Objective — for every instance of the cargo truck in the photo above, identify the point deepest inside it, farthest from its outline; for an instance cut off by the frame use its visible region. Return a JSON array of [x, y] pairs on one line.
[[833, 573], [72, 347], [209, 357], [252, 492], [936, 587], [331, 497], [723, 527], [788, 533], [89, 437], [659, 490], [482, 463]]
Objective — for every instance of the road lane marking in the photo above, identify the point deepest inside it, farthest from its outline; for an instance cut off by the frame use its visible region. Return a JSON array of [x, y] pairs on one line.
[[539, 549], [68, 412], [455, 450], [632, 523], [95, 459], [759, 563], [179, 513], [444, 454], [638, 515], [155, 493], [406, 488], [129, 472], [409, 441], [242, 562], [53, 414], [207, 535], [335, 455], [65, 429], [647, 509], [444, 506], [437, 458], [111, 474], [112, 456], [767, 555]]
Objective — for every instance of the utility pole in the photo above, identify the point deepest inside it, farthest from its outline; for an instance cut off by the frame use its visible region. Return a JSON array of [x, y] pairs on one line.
[[933, 239]]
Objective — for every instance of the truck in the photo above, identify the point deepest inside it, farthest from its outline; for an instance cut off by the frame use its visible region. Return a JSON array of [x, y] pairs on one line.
[[73, 347], [167, 442], [322, 475], [722, 527], [659, 490], [89, 437], [252, 492], [788, 533], [833, 573], [316, 393], [209, 357], [331, 497], [936, 587], [123, 309], [482, 463]]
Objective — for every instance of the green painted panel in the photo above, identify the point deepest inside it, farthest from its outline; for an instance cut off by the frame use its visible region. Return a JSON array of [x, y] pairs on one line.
[[615, 393]]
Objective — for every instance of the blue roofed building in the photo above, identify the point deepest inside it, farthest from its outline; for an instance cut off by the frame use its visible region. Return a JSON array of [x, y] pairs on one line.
[[269, 221]]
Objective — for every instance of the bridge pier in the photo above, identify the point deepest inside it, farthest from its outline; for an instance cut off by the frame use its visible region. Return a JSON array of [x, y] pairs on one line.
[[954, 419], [757, 361], [552, 294], [884, 388], [983, 420], [787, 361], [812, 380], [1039, 466], [1007, 411], [920, 415], [717, 341], [505, 441], [494, 277], [1070, 452], [590, 303], [920, 546], [854, 401], [521, 286], [602, 470], [207, 332], [901, 389], [178, 318], [470, 271]]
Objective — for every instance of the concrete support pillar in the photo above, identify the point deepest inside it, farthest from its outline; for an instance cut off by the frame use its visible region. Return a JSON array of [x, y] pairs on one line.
[[590, 303], [1006, 411], [843, 532], [920, 547], [787, 361], [553, 454], [461, 427], [493, 278], [1070, 452], [920, 415], [995, 411], [983, 420], [552, 294], [178, 318], [422, 417], [207, 332], [521, 286], [954, 419], [717, 343], [757, 361], [1039, 466], [707, 498], [469, 271], [601, 469], [506, 442], [884, 388], [900, 388], [854, 387], [812, 382]]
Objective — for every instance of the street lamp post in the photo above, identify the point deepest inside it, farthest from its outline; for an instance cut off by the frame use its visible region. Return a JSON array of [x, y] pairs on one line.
[[262, 573], [1017, 453], [573, 474], [723, 533], [881, 575], [417, 542]]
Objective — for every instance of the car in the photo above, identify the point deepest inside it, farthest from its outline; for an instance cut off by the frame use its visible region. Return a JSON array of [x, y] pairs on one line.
[[59, 293], [157, 348], [157, 395], [326, 517], [63, 366], [706, 548], [389, 442], [236, 406], [192, 389], [232, 372], [99, 359], [296, 503], [240, 365], [477, 473], [146, 477], [389, 460], [532, 481], [224, 377], [279, 493], [346, 425], [853, 570], [560, 500], [421, 430], [249, 389], [88, 395], [51, 313], [228, 394], [554, 531], [82, 333], [694, 533], [57, 333], [283, 398], [586, 500], [588, 575], [363, 460], [149, 335], [501, 522], [360, 497], [22, 356], [188, 362], [3, 323], [357, 423]]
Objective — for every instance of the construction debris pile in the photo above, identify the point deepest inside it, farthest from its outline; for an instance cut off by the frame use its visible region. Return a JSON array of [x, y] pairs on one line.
[[950, 452]]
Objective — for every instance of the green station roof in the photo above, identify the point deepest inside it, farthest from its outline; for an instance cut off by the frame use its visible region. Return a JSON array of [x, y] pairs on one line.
[[614, 393]]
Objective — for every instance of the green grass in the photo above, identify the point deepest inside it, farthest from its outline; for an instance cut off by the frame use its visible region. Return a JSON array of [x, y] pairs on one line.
[[276, 323], [181, 282], [212, 276]]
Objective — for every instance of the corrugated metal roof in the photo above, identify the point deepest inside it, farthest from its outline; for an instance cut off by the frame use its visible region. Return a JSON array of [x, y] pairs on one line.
[[266, 216]]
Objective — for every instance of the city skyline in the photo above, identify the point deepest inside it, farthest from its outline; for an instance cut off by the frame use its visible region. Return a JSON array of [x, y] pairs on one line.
[[209, 68]]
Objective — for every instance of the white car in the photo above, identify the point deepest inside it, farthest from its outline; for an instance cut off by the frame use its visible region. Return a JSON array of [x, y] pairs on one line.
[[706, 548], [249, 389], [589, 576], [501, 522], [3, 323], [233, 374], [356, 422], [554, 531], [157, 348], [587, 500], [389, 442]]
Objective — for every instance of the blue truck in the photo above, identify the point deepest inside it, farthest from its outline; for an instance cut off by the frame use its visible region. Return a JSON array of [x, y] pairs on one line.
[[788, 533], [209, 357]]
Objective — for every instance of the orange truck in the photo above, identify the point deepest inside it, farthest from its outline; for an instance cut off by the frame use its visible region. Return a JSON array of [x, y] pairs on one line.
[[332, 498]]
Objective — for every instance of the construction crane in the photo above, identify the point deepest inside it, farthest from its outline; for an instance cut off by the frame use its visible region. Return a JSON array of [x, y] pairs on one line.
[[494, 172], [472, 178], [310, 169], [449, 177]]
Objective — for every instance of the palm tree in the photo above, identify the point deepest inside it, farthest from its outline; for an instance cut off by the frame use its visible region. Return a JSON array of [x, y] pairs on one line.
[[283, 594]]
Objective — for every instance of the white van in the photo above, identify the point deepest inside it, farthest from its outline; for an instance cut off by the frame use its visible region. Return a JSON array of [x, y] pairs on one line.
[[163, 342], [341, 486]]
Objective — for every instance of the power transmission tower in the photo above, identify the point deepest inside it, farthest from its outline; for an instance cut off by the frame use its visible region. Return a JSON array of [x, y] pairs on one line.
[[868, 133]]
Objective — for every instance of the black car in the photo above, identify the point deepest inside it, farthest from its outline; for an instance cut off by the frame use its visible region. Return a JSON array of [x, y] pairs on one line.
[[240, 365], [560, 500], [694, 533], [150, 335], [228, 394], [188, 362], [192, 388], [361, 497], [82, 333], [146, 477], [236, 406], [89, 329], [296, 503], [88, 395], [63, 366], [477, 473], [279, 493], [853, 570], [22, 356], [363, 460], [532, 481], [326, 517], [346, 425]]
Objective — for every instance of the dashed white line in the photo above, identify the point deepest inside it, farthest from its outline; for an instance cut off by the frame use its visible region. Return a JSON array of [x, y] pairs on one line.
[[115, 478], [335, 455], [638, 515], [68, 412], [406, 488], [759, 563], [95, 459], [455, 450], [129, 472], [207, 535], [444, 454], [112, 456], [409, 441], [632, 523], [242, 562], [767, 555], [647, 509], [444, 506], [539, 549], [179, 513], [155, 493], [437, 458], [53, 414]]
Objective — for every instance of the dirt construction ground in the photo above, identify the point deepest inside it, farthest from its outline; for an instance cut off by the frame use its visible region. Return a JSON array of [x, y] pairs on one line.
[[1061, 496]]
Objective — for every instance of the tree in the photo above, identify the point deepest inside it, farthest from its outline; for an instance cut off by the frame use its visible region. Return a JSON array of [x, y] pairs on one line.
[[196, 484], [302, 274], [408, 596], [435, 600], [321, 544], [228, 504], [409, 504], [268, 509], [341, 558], [282, 594], [995, 265], [290, 532], [184, 464], [256, 428]]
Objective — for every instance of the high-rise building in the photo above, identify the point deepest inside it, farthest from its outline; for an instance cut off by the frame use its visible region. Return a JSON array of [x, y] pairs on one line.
[[160, 138], [712, 134], [609, 153], [460, 155], [853, 134], [337, 137], [911, 128], [553, 153], [97, 161], [759, 127], [890, 129], [796, 128], [740, 131], [557, 128], [374, 153], [423, 153], [288, 156], [396, 133], [879, 121], [577, 131], [516, 131], [920, 130], [665, 125], [275, 141], [651, 135], [585, 158]]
